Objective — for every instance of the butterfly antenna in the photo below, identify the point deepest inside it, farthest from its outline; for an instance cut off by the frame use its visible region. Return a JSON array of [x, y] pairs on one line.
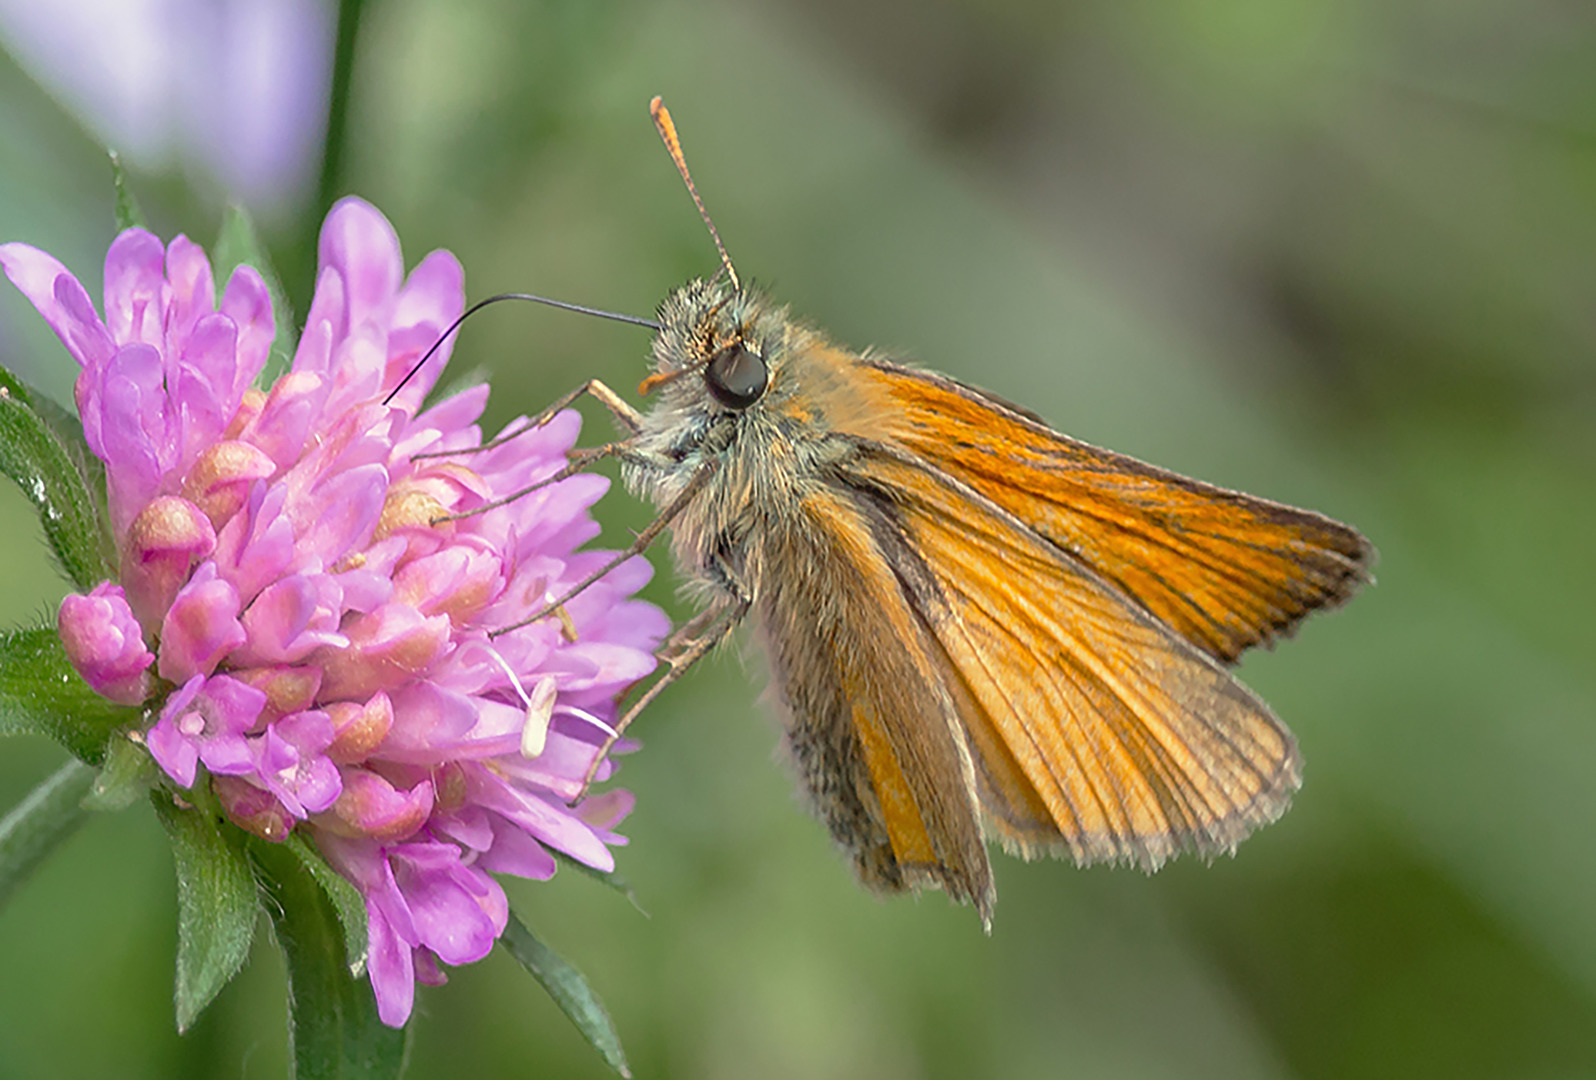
[[480, 304], [673, 146]]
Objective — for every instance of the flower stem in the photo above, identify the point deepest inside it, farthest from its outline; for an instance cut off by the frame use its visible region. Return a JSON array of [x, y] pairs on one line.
[[50, 813], [332, 162], [333, 1025]]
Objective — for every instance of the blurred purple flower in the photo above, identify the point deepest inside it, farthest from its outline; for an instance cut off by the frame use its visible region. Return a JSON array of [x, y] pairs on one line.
[[285, 566], [239, 88]]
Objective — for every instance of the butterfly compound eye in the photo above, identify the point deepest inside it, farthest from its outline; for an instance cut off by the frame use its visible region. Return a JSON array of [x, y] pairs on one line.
[[737, 377]]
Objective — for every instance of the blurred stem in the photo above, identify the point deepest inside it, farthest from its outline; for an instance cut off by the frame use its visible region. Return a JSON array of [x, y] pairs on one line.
[[51, 813], [332, 159]]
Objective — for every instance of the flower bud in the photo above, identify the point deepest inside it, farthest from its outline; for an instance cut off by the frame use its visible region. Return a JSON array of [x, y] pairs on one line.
[[165, 541], [359, 729], [372, 807], [289, 688], [200, 627], [105, 644], [252, 808], [220, 480]]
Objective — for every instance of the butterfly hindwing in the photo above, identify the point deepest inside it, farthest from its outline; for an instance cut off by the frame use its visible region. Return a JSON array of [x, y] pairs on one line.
[[872, 728]]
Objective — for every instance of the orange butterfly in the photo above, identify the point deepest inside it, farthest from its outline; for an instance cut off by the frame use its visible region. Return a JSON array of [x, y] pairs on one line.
[[978, 627]]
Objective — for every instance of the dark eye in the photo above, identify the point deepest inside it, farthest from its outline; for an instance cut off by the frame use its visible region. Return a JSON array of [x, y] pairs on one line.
[[737, 377]]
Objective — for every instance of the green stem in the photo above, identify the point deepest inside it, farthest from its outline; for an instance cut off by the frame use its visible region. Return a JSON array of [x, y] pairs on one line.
[[51, 813], [332, 161], [332, 1016]]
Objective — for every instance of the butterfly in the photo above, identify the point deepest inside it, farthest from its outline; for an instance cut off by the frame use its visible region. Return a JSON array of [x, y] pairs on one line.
[[977, 627]]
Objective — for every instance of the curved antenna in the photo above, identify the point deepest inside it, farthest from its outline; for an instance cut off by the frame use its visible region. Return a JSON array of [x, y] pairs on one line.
[[480, 304], [673, 146]]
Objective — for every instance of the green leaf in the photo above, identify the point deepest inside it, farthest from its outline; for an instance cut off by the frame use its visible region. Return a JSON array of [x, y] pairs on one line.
[[128, 214], [332, 1016], [570, 992], [41, 694], [64, 424], [34, 827], [216, 904], [32, 456], [348, 904], [68, 429], [126, 777], [608, 878], [239, 245]]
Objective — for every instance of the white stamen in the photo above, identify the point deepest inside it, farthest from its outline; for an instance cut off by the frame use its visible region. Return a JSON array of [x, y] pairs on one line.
[[539, 710], [539, 705], [582, 714], [504, 665]]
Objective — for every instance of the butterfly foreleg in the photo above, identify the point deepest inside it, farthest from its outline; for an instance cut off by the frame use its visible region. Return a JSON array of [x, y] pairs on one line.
[[626, 416]]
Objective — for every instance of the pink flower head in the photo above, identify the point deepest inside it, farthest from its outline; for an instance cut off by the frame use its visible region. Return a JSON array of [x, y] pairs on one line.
[[294, 562]]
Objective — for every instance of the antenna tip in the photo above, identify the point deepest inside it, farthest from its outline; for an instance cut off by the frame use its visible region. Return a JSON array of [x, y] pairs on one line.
[[673, 146], [667, 131]]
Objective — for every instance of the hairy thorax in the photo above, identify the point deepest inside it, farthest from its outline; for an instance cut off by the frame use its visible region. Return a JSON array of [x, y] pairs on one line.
[[763, 462]]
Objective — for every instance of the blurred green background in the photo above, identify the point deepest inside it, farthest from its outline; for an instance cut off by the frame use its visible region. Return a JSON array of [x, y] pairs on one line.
[[1336, 252]]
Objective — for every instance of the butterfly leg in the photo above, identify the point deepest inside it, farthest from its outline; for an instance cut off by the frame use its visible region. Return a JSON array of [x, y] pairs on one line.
[[628, 417], [578, 461], [637, 547], [684, 635], [693, 641]]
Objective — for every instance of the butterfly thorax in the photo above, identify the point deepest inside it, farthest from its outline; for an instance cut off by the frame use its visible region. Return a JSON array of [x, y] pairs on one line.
[[756, 462]]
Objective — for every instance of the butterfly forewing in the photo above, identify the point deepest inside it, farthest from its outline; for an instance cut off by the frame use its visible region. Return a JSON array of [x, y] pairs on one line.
[[1225, 570], [1097, 729]]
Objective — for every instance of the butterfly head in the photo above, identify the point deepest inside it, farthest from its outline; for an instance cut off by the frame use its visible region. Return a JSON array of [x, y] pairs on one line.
[[720, 349]]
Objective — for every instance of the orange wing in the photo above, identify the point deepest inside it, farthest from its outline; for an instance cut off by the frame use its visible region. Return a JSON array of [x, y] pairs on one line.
[[1226, 570], [1094, 727]]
